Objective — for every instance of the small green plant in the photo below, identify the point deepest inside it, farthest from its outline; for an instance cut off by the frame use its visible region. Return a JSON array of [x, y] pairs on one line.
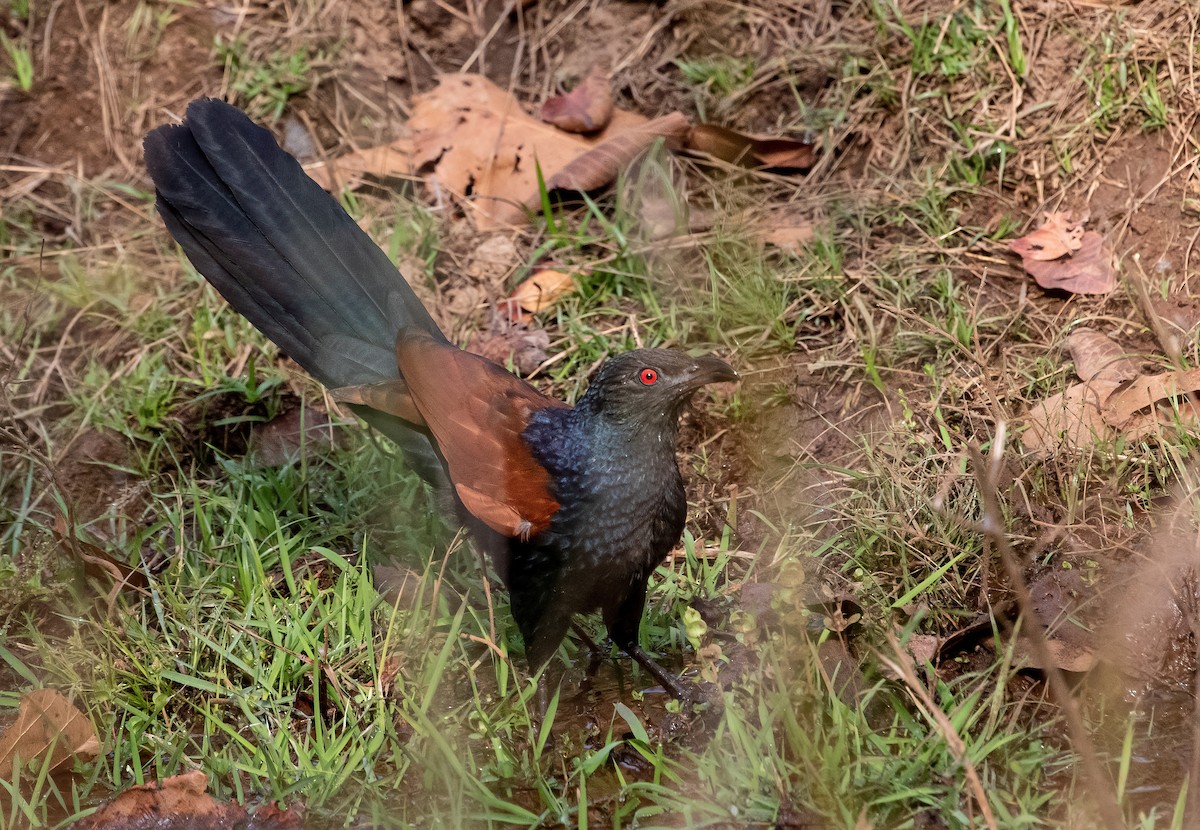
[[146, 27], [22, 62], [264, 82], [718, 79], [721, 75]]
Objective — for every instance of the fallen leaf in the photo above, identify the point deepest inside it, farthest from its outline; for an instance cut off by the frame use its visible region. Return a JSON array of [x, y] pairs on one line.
[[789, 237], [388, 161], [541, 290], [1066, 656], [470, 139], [1059, 236], [585, 109], [1072, 419], [1090, 270], [1102, 410], [601, 164], [752, 151], [473, 139], [1098, 356], [182, 803], [47, 724], [1148, 393], [923, 648]]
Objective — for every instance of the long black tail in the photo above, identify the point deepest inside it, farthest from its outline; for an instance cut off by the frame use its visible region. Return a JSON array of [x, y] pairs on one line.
[[285, 255]]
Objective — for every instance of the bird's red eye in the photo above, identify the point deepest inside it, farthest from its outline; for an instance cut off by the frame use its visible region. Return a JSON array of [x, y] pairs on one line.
[[649, 377]]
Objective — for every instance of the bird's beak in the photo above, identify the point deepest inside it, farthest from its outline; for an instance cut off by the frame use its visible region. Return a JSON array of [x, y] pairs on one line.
[[708, 370]]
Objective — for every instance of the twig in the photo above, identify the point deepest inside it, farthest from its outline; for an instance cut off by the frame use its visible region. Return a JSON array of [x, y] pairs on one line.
[[903, 667], [992, 526]]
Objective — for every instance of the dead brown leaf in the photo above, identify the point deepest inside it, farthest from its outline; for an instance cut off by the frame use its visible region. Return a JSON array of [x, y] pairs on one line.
[[1066, 656], [1098, 356], [1089, 270], [1106, 409], [470, 139], [752, 151], [181, 801], [585, 109], [1059, 236], [1144, 404], [541, 290], [601, 164], [475, 141], [791, 238], [47, 724], [1072, 419]]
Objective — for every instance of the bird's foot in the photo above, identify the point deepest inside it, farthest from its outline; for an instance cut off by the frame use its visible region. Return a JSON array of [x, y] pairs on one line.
[[688, 694]]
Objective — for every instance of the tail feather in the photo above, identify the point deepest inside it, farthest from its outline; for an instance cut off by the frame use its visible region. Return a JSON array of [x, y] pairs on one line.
[[285, 254]]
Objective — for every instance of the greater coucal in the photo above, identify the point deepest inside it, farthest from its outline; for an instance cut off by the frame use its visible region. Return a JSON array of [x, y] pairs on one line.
[[575, 506]]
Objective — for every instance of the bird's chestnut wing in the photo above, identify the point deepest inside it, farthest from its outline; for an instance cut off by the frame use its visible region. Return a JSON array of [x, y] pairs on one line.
[[477, 413]]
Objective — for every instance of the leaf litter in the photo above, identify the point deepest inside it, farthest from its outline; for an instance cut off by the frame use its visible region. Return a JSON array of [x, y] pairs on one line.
[[472, 141], [1062, 255], [182, 801], [585, 109], [1114, 400], [48, 726]]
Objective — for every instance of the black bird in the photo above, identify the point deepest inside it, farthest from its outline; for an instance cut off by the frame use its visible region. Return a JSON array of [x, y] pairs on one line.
[[575, 506]]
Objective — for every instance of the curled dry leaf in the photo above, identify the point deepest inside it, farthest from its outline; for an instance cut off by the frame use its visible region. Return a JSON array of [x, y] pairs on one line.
[[752, 151], [601, 164], [1098, 356], [541, 290], [472, 140], [1061, 255], [1059, 236], [47, 724], [585, 109]]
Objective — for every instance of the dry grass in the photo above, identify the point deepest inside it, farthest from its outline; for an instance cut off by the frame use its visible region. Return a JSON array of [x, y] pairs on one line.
[[909, 334]]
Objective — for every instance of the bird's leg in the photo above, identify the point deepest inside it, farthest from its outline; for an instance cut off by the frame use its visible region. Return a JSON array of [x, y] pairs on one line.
[[596, 652], [667, 680], [623, 627], [541, 699]]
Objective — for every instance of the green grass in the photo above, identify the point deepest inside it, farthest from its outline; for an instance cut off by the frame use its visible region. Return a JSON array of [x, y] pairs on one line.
[[257, 647], [264, 82], [20, 60]]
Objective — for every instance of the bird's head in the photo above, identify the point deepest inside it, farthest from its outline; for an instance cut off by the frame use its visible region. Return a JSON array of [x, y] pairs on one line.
[[651, 385]]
